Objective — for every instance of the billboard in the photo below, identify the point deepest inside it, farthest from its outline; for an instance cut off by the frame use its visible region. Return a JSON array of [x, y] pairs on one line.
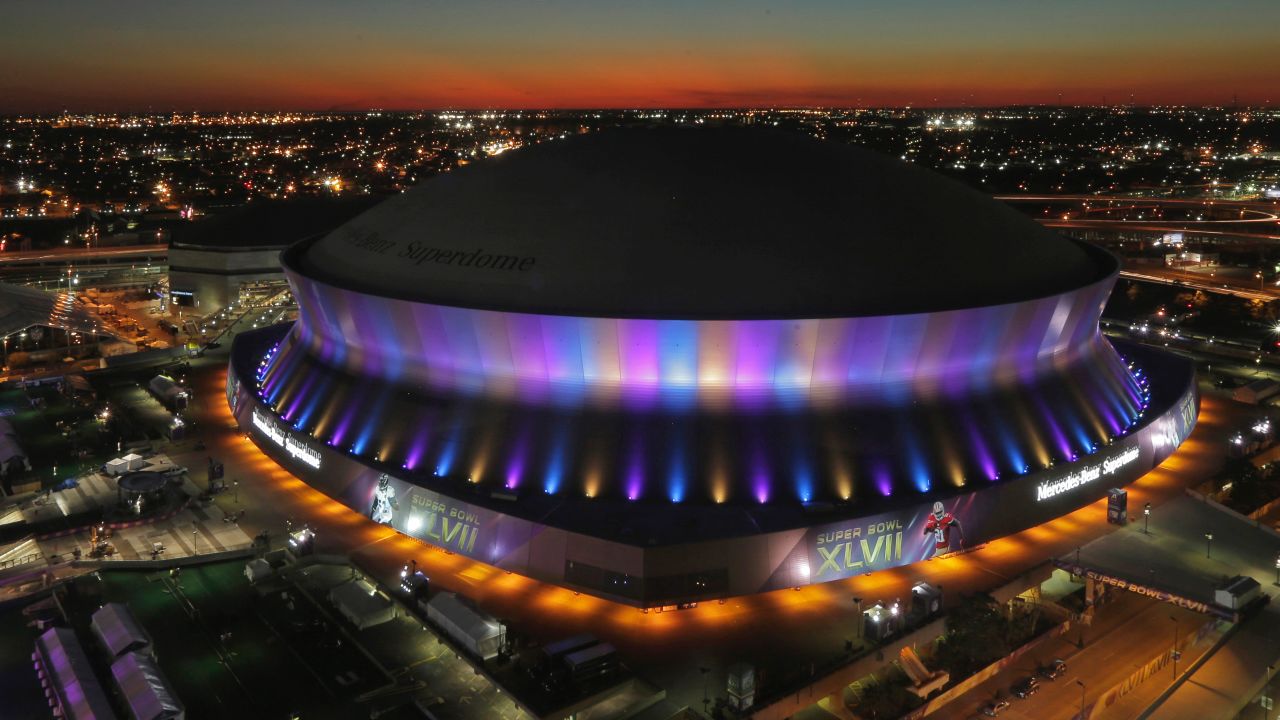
[[465, 528], [861, 545]]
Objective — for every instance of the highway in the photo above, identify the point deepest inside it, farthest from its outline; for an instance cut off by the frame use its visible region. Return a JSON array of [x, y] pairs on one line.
[[1239, 287], [783, 633], [74, 254]]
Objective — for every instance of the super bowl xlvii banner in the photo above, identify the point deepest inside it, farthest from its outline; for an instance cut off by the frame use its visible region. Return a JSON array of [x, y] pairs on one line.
[[933, 529], [876, 542], [477, 532]]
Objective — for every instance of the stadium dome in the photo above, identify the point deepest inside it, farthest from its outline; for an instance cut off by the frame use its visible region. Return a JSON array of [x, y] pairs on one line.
[[669, 364], [699, 224]]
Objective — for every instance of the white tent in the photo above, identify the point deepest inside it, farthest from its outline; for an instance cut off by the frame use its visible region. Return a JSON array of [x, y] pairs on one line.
[[118, 630], [256, 569], [122, 465], [145, 689], [70, 676], [466, 624], [362, 604]]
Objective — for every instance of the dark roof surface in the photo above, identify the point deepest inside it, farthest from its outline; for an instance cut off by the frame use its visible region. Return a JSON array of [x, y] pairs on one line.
[[271, 223], [699, 223]]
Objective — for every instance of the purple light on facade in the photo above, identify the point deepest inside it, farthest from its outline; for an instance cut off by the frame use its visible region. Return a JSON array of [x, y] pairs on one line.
[[635, 468], [882, 478], [418, 446], [516, 460], [712, 363]]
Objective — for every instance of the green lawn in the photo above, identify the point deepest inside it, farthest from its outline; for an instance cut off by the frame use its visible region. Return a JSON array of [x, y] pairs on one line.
[[275, 661]]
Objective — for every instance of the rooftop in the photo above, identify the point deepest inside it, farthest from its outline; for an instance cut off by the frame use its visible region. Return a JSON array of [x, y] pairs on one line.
[[699, 223], [270, 224]]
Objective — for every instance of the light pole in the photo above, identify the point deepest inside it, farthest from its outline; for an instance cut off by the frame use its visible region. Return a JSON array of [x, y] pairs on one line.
[[705, 699], [1146, 519], [195, 541], [1175, 653], [1278, 569], [1208, 545], [235, 489], [1081, 684], [857, 601]]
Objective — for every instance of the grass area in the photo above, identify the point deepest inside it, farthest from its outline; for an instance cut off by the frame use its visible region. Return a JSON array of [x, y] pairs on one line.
[[231, 652], [54, 432]]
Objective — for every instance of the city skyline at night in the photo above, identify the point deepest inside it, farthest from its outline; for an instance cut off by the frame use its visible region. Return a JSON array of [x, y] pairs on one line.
[[660, 360], [142, 56]]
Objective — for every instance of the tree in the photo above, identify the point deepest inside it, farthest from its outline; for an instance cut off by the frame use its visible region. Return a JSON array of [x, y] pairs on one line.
[[976, 636]]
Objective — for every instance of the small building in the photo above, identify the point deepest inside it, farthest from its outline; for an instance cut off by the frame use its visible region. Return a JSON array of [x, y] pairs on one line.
[[1256, 391], [119, 631], [1237, 593], [257, 569], [12, 456], [122, 465], [214, 261], [466, 625], [145, 689], [73, 690], [591, 663], [362, 604], [169, 393]]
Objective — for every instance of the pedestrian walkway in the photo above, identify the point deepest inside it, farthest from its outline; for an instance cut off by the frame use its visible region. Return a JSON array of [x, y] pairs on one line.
[[191, 532]]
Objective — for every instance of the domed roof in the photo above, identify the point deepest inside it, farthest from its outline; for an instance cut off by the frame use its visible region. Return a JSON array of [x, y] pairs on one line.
[[698, 223]]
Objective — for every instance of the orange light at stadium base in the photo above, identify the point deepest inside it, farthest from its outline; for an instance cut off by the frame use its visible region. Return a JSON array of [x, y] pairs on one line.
[[545, 611]]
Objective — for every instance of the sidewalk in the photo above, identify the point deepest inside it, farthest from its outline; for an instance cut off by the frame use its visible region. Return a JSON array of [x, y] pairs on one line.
[[1228, 680], [193, 531]]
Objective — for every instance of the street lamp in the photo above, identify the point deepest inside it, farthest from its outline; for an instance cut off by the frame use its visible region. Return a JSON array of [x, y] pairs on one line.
[[1175, 653], [706, 700], [1278, 569], [1081, 684], [1208, 545], [857, 601], [1146, 519], [235, 489]]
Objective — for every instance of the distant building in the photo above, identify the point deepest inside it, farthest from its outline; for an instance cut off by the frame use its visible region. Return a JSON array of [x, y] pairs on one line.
[[212, 261]]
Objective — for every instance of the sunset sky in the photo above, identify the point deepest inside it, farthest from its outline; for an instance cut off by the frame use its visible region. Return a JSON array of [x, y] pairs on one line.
[[86, 55]]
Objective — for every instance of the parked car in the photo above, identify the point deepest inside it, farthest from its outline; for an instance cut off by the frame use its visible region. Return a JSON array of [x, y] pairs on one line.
[[1053, 670], [1025, 689], [995, 707]]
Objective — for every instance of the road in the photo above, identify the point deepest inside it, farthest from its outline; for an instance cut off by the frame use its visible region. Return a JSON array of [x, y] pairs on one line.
[[782, 633], [1125, 635], [1254, 217], [1239, 287], [78, 254]]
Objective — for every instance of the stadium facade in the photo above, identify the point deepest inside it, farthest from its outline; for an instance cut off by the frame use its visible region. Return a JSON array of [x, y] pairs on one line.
[[668, 365]]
